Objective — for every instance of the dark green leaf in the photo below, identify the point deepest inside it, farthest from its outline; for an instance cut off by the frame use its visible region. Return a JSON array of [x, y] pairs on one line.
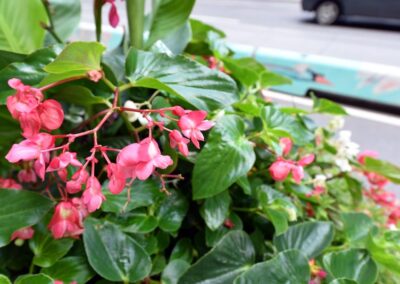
[[216, 209], [138, 223], [183, 250], [114, 255], [72, 268], [230, 257], [355, 264], [311, 238], [34, 279], [226, 157], [7, 57], [20, 25], [18, 209], [200, 86], [79, 95], [174, 270], [289, 267], [171, 211], [199, 43], [213, 237]]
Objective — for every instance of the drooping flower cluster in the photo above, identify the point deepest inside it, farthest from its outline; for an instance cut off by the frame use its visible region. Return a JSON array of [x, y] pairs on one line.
[[281, 168], [79, 188]]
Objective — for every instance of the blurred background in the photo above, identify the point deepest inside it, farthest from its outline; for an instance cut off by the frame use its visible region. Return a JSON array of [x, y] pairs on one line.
[[353, 59]]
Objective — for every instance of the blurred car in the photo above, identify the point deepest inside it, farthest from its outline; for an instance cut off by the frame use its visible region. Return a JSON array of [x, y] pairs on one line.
[[328, 11]]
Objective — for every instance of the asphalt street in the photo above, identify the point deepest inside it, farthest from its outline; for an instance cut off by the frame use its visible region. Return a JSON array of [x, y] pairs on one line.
[[281, 24]]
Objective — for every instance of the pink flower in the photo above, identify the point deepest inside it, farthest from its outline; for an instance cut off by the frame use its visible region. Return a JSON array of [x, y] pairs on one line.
[[30, 123], [317, 191], [92, 197], [306, 160], [113, 16], [25, 100], [141, 159], [23, 151], [179, 111], [280, 169], [394, 216], [192, 124], [82, 209], [116, 177], [63, 161], [27, 176], [297, 173], [78, 179], [367, 153], [177, 140], [23, 234], [9, 183], [286, 145], [65, 221], [51, 115], [376, 179]]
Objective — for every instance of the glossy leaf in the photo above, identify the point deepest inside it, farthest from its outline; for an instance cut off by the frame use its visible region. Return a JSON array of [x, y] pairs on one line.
[[178, 40], [355, 264], [4, 279], [226, 157], [66, 15], [360, 232], [79, 95], [34, 279], [169, 17], [71, 268], [200, 86], [7, 57], [114, 255], [213, 237], [137, 222], [183, 250], [18, 209], [20, 25], [171, 211], [233, 255], [289, 267], [311, 238], [216, 209], [29, 71], [199, 43], [382, 252], [174, 271]]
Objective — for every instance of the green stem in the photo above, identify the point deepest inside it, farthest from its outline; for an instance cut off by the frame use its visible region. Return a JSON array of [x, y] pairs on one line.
[[135, 13], [126, 86], [31, 268], [50, 26]]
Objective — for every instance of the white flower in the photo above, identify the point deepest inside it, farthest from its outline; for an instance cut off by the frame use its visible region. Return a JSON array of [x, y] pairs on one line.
[[336, 123], [319, 181], [344, 146], [133, 116], [343, 165]]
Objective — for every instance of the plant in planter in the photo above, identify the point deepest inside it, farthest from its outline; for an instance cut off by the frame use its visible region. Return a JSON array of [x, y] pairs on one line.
[[163, 162]]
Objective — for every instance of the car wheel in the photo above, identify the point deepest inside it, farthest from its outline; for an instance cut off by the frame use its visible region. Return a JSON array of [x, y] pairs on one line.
[[327, 12]]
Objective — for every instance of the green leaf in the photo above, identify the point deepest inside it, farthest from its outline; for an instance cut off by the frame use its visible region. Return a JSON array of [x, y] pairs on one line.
[[230, 257], [343, 281], [383, 168], [145, 193], [4, 279], [66, 15], [226, 157], [137, 222], [213, 237], [114, 255], [68, 269], [199, 43], [200, 86], [178, 40], [311, 238], [384, 253], [173, 271], [171, 211], [270, 79], [7, 57], [29, 71], [358, 234], [289, 267], [34, 279], [18, 209], [355, 264], [278, 218], [79, 95], [183, 250], [169, 17], [216, 209], [20, 25], [77, 57], [327, 106]]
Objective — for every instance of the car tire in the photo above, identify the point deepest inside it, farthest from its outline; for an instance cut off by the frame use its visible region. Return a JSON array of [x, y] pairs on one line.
[[327, 12]]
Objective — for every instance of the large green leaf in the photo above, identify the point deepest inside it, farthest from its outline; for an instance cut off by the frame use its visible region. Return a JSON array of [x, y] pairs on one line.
[[66, 15], [216, 209], [311, 238], [171, 211], [46, 249], [213, 237], [79, 95], [289, 267], [226, 157], [4, 279], [356, 234], [7, 57], [200, 86], [383, 168], [183, 250], [136, 222], [173, 271], [72, 268], [355, 264], [178, 40], [34, 279], [29, 70], [20, 25], [169, 17], [113, 254], [18, 209], [233, 255]]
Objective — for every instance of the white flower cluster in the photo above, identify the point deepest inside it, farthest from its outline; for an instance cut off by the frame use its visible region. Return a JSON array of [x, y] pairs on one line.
[[346, 149], [336, 123]]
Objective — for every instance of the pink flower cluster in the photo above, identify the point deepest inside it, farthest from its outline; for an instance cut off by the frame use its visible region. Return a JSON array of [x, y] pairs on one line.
[[317, 273], [281, 168], [378, 194], [33, 113], [39, 154]]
